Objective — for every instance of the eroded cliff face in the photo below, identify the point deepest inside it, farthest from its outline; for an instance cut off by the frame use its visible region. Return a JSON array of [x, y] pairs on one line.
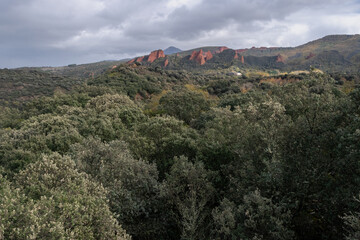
[[140, 59], [150, 58], [240, 50], [198, 57], [221, 49], [155, 55], [193, 55], [208, 56]]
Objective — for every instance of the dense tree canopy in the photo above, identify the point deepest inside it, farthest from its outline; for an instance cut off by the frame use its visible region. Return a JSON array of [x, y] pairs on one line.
[[141, 153]]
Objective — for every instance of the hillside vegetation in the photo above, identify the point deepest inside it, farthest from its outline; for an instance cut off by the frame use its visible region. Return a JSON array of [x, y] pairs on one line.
[[146, 153]]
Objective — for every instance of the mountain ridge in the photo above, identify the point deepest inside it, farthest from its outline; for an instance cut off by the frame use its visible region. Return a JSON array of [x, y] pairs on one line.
[[329, 53]]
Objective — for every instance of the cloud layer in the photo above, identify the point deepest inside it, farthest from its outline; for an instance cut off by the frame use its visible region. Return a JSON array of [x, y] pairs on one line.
[[54, 33]]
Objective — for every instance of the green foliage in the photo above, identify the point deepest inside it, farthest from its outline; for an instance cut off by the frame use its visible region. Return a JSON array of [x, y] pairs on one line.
[[352, 223], [61, 203], [9, 118], [16, 213], [257, 217], [160, 139], [42, 134], [185, 105], [20, 85], [190, 192], [130, 81], [261, 158], [133, 189]]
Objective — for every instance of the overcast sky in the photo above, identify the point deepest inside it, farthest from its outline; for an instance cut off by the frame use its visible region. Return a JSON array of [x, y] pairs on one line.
[[55, 33]]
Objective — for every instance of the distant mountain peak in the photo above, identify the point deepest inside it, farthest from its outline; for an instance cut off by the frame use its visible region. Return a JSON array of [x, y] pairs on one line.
[[171, 50]]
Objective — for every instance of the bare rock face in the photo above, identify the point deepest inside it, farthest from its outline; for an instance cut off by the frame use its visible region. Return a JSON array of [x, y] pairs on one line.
[[140, 59], [166, 62], [200, 57], [193, 55], [240, 50], [155, 55], [208, 56], [242, 59], [236, 55], [221, 49], [280, 58]]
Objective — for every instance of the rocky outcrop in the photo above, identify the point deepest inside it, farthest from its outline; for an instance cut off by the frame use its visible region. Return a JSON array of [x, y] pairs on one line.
[[155, 55], [280, 59], [242, 60], [140, 59], [236, 55], [131, 61], [208, 56], [193, 55], [198, 57], [221, 49], [166, 62], [240, 50]]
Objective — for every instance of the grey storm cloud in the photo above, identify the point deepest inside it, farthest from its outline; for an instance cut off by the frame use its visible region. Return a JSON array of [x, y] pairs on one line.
[[53, 32]]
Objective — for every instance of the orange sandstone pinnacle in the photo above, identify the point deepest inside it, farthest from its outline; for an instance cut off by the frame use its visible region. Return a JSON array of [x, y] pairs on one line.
[[155, 55]]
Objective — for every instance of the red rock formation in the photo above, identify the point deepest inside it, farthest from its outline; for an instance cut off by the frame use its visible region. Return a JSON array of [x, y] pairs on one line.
[[155, 55], [113, 67], [280, 58], [200, 57], [140, 59], [193, 55], [310, 56], [208, 56], [236, 55], [166, 62], [221, 49], [240, 50], [242, 59]]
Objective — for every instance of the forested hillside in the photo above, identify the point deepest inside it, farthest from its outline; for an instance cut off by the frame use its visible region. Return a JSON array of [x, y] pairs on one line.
[[148, 153]]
